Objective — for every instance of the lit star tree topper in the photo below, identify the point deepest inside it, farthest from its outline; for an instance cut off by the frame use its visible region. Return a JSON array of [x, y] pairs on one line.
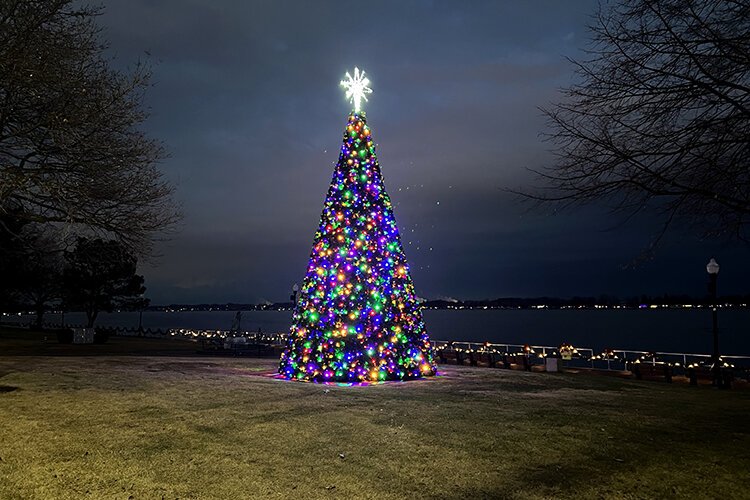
[[356, 88], [357, 317]]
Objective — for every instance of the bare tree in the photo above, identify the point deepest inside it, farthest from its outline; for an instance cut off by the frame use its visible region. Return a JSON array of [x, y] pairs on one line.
[[71, 150], [660, 118]]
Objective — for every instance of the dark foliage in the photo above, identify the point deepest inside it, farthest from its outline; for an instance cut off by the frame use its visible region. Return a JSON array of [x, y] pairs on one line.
[[11, 255], [30, 266], [101, 276]]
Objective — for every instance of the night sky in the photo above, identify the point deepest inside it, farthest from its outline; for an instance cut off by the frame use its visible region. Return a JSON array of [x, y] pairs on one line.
[[247, 102]]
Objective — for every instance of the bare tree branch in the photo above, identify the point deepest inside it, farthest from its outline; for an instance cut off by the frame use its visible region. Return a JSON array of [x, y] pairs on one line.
[[660, 116]]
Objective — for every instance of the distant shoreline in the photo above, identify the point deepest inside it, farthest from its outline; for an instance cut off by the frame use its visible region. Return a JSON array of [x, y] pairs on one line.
[[664, 302], [182, 308]]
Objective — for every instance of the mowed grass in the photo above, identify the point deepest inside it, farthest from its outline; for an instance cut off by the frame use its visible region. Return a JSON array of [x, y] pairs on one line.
[[192, 427]]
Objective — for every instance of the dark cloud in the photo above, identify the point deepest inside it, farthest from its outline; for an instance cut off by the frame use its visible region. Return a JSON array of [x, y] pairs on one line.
[[246, 100]]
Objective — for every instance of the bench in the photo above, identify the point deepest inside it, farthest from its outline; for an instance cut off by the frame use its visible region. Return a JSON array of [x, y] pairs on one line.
[[64, 335], [468, 358], [448, 356], [457, 357], [494, 359], [521, 360], [651, 371], [491, 359], [251, 350], [705, 373]]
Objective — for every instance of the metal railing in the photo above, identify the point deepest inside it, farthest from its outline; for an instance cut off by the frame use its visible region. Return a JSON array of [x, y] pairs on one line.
[[611, 359]]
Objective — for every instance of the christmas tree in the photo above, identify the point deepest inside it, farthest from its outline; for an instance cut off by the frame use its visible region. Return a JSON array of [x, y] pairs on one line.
[[357, 317]]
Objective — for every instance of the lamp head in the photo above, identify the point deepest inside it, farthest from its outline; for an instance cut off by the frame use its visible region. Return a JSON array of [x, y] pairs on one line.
[[712, 267]]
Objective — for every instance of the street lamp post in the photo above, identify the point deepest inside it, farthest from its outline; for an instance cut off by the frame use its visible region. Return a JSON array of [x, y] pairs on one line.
[[142, 303], [713, 273]]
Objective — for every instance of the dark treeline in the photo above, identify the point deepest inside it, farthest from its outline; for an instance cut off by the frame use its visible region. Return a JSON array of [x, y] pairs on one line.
[[94, 276]]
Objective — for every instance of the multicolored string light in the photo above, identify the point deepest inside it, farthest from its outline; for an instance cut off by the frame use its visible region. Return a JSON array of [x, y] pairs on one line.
[[357, 318]]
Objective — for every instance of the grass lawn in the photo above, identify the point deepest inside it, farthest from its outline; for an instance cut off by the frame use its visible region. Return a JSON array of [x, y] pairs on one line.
[[135, 426]]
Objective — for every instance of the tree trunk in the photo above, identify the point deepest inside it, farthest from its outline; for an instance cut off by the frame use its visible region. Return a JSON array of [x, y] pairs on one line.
[[91, 316], [39, 319]]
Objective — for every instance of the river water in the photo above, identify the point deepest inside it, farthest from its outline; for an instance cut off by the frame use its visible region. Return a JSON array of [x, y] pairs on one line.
[[664, 330]]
